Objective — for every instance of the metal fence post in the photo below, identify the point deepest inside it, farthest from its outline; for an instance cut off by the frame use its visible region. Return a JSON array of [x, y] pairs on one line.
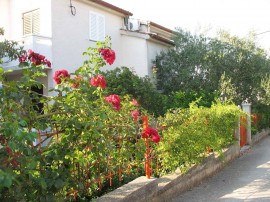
[[147, 153]]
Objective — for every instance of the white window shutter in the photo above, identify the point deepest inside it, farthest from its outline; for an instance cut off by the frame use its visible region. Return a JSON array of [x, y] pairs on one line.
[[101, 28], [93, 26], [96, 27], [27, 23], [36, 22], [31, 22]]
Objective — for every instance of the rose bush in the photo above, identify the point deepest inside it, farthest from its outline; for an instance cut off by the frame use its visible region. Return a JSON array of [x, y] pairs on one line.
[[89, 134]]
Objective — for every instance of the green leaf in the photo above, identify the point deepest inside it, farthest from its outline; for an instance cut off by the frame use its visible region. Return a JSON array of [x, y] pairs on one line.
[[23, 64], [1, 71], [59, 183], [5, 179]]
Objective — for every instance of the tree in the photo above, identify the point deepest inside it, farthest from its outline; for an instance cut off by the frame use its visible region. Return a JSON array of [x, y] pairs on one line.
[[198, 62], [182, 68], [246, 64]]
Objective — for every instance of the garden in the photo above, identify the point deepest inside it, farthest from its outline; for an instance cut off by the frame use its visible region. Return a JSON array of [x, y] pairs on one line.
[[104, 129]]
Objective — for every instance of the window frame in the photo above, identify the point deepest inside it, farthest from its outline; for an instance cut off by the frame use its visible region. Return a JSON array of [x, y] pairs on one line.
[[34, 22]]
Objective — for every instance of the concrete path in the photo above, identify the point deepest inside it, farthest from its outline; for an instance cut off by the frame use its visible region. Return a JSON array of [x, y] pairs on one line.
[[245, 179]]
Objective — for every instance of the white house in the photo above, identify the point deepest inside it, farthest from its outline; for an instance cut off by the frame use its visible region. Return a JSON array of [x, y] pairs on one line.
[[63, 29]]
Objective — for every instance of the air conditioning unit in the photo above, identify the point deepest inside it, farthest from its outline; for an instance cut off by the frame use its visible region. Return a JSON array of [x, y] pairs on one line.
[[133, 24]]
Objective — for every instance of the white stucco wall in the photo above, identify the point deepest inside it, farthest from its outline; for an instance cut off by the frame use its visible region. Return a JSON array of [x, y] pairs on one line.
[[65, 37], [70, 35], [12, 11], [153, 49], [4, 18], [134, 54]]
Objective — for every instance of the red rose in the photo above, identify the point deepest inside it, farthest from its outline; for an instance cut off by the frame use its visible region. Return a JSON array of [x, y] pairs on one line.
[[114, 100], [156, 139], [34, 58], [111, 58], [60, 75], [98, 81], [135, 115], [151, 133], [107, 54]]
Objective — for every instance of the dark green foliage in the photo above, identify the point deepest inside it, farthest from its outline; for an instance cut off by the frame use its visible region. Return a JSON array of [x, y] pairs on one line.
[[178, 68], [123, 81], [198, 62], [182, 99], [263, 114]]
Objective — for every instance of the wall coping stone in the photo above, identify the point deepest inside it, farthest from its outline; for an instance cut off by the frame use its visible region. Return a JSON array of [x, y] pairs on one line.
[[166, 187]]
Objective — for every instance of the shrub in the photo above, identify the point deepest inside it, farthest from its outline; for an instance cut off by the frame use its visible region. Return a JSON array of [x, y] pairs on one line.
[[189, 132], [182, 99], [262, 112], [93, 136], [123, 81]]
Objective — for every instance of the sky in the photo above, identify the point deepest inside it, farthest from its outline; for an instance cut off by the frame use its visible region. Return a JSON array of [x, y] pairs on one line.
[[239, 17]]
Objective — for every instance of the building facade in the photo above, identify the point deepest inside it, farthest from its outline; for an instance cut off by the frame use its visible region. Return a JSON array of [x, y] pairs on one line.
[[62, 30]]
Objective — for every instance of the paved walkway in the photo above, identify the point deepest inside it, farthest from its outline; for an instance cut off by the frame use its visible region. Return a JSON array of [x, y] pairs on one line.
[[245, 179]]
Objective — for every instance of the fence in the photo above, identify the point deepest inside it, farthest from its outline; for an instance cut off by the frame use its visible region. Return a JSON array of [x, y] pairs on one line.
[[125, 156]]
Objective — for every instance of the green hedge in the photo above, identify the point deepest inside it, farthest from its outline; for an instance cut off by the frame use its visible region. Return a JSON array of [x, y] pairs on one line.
[[190, 132], [263, 116]]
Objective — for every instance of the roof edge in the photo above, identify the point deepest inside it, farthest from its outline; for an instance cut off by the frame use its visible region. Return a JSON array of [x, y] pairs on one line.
[[162, 39], [110, 6], [161, 27]]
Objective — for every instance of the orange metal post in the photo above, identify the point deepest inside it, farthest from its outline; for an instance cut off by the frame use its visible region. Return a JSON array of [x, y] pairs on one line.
[[243, 131], [147, 154]]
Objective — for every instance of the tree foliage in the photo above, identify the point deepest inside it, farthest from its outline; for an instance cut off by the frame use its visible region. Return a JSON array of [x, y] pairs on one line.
[[198, 62]]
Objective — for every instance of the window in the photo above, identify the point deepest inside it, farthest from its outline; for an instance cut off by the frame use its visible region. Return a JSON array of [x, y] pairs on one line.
[[96, 27], [31, 22]]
